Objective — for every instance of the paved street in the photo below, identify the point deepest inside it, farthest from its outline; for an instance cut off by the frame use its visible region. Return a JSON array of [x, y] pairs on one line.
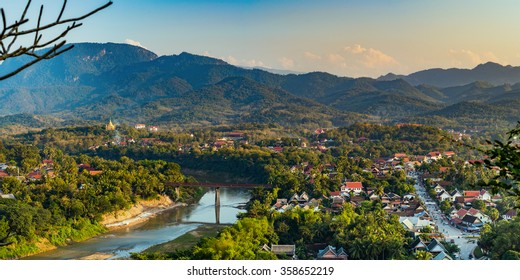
[[466, 245]]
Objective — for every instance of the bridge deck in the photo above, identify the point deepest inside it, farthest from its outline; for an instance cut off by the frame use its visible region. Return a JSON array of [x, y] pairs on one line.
[[220, 185]]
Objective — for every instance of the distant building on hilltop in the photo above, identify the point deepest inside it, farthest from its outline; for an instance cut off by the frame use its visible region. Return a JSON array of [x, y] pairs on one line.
[[110, 126], [140, 126]]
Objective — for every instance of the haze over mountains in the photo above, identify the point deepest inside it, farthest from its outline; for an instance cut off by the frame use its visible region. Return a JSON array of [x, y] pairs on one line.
[[131, 84]]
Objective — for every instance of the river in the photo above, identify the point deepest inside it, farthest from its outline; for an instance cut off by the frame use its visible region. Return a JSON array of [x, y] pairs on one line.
[[162, 228]]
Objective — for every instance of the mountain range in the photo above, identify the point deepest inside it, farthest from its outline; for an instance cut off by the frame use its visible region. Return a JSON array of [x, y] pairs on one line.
[[131, 84]]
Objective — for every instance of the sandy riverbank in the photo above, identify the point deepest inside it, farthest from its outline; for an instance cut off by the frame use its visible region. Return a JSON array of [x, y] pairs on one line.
[[139, 213]]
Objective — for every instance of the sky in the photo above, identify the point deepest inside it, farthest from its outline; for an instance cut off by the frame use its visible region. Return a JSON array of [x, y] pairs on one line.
[[346, 38]]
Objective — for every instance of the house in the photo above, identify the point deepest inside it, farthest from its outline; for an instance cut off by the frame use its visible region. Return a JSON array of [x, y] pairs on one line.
[[284, 250], [471, 194], [415, 224], [280, 202], [461, 213], [356, 187], [472, 211], [294, 199], [444, 169], [454, 194], [484, 195], [435, 246], [153, 129], [400, 155], [509, 215], [457, 222], [418, 245], [319, 131], [140, 126], [438, 188], [481, 216], [303, 198], [335, 194], [3, 174], [373, 196], [442, 256], [357, 199], [444, 196], [466, 201], [330, 253], [449, 154], [434, 156], [35, 175], [471, 221], [337, 202]]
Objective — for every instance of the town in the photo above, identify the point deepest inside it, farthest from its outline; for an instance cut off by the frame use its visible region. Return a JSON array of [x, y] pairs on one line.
[[433, 194]]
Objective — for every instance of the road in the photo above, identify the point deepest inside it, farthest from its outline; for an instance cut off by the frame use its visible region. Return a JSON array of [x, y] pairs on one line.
[[466, 245]]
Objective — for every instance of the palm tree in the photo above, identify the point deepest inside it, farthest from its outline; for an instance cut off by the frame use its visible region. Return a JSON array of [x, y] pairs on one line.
[[423, 255], [357, 249]]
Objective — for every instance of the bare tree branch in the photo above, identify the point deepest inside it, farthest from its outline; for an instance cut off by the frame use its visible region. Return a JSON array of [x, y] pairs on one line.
[[11, 32]]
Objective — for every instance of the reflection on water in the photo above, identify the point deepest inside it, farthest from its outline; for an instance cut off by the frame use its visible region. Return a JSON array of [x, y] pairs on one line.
[[162, 228]]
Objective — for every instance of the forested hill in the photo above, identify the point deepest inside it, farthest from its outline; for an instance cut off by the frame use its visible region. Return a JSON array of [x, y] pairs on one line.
[[131, 84]]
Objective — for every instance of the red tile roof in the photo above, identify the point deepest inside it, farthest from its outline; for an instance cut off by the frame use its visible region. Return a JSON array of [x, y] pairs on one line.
[[471, 193], [462, 212], [35, 175], [473, 211], [354, 185], [335, 193]]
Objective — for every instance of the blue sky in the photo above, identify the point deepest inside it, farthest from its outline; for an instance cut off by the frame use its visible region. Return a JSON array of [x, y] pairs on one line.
[[347, 38]]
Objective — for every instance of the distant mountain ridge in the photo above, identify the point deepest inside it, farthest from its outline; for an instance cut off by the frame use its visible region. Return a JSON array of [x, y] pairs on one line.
[[491, 72], [131, 84]]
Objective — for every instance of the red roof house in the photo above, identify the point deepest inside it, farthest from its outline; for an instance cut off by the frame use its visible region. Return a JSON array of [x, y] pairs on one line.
[[356, 187]]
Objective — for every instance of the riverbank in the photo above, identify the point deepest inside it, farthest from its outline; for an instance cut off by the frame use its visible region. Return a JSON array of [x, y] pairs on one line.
[[139, 213]]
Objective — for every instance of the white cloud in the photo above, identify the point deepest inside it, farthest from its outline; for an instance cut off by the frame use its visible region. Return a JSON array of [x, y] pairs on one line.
[[311, 56], [335, 58], [370, 58], [230, 59], [355, 60], [356, 49], [287, 63], [134, 43], [244, 62], [469, 58]]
